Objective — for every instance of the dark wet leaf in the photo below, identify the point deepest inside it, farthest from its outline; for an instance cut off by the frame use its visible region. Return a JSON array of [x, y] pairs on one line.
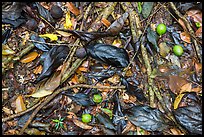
[[174, 34], [52, 60], [40, 46], [6, 35], [11, 13], [80, 98], [105, 120], [148, 118], [102, 74], [185, 6], [190, 116], [23, 119], [117, 25], [153, 38], [44, 13], [147, 8], [109, 54], [134, 90]]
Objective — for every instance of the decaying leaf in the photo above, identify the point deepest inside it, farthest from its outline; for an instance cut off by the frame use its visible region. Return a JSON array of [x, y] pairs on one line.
[[20, 106], [164, 49], [196, 14], [30, 57], [72, 8], [52, 37], [52, 60], [198, 33], [105, 22], [190, 117], [147, 8], [46, 88], [153, 38], [117, 25], [185, 36], [6, 50], [105, 120], [148, 118], [109, 54], [34, 131], [81, 124], [175, 83], [40, 46]]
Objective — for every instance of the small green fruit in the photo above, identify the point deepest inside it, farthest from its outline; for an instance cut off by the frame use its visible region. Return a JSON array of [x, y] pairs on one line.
[[97, 98], [86, 118], [178, 50], [161, 29]]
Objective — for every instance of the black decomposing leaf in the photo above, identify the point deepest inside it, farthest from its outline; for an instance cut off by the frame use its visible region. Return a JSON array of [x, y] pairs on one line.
[[190, 116], [148, 118], [105, 120], [40, 46], [80, 98], [109, 54], [53, 59], [134, 90], [153, 38]]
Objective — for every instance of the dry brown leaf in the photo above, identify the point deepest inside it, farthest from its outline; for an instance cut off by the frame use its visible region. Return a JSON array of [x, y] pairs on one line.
[[81, 124], [30, 57], [38, 69], [175, 83], [196, 15], [197, 89], [7, 110], [176, 131], [185, 36], [186, 88], [72, 8], [198, 67], [182, 24], [105, 22], [75, 79], [198, 32], [20, 106]]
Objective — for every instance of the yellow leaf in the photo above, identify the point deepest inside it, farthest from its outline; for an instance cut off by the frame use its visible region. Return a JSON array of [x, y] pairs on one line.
[[20, 106], [178, 100], [63, 33], [52, 37], [30, 57], [186, 88], [117, 42], [41, 93], [68, 22]]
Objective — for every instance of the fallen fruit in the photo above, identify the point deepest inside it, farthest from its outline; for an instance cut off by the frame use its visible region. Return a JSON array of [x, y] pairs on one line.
[[31, 24], [178, 50], [161, 29], [86, 118], [97, 98], [56, 12]]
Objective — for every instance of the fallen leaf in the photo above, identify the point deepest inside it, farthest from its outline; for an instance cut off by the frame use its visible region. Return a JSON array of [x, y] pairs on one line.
[[68, 22], [30, 57], [38, 69], [198, 32], [83, 69], [195, 14], [164, 49], [185, 36], [175, 83], [117, 43], [75, 79], [63, 33], [7, 110], [6, 50], [186, 88], [114, 79], [34, 131], [47, 87], [180, 21], [52, 37], [81, 124], [20, 106], [72, 8], [105, 22], [178, 100]]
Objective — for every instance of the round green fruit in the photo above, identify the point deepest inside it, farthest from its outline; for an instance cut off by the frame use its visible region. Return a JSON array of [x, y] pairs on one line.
[[178, 50], [86, 118], [97, 98], [161, 29]]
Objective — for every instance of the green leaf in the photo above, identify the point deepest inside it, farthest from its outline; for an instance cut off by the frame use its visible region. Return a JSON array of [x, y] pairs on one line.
[[139, 6], [147, 8]]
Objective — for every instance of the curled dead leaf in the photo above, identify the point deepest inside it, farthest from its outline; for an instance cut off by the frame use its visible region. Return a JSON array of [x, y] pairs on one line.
[[81, 124], [20, 106], [185, 36]]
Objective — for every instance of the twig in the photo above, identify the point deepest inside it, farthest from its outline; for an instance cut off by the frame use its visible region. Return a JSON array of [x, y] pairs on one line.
[[51, 44], [49, 98]]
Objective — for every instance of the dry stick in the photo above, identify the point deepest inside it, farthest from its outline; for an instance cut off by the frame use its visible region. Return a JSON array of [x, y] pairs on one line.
[[15, 59], [195, 45], [104, 14], [59, 91], [20, 113]]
